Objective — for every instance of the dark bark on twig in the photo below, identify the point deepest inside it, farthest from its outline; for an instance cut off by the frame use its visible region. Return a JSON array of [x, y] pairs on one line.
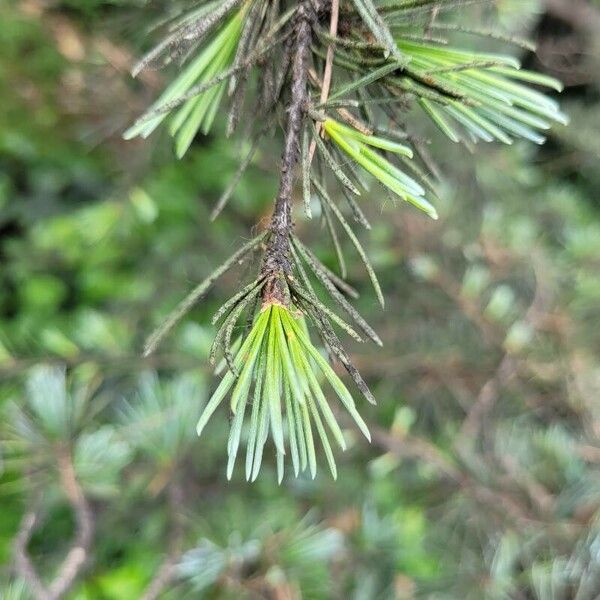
[[277, 261]]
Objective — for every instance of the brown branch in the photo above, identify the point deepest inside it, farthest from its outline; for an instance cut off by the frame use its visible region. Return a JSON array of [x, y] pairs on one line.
[[490, 332], [344, 113], [78, 553], [23, 563], [408, 446], [328, 71], [167, 570], [486, 399], [276, 260], [162, 579], [509, 365]]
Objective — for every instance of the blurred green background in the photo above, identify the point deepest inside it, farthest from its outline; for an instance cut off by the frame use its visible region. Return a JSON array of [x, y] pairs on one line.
[[483, 477]]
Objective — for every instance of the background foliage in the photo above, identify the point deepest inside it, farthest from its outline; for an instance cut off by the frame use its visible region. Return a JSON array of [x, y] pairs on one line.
[[482, 480]]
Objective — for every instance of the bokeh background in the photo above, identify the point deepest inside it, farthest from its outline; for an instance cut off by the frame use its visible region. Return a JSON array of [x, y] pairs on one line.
[[483, 477]]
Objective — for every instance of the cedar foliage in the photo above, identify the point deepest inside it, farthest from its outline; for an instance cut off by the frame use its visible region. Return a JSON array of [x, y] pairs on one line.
[[481, 480], [336, 78]]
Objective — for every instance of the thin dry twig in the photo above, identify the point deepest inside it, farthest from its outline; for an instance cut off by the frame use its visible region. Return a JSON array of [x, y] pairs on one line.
[[167, 570], [328, 71], [509, 365], [23, 564], [409, 446], [78, 553]]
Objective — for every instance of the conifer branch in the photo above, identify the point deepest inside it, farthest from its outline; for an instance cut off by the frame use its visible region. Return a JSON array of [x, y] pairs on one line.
[[341, 75], [277, 259], [23, 564], [78, 554], [168, 568]]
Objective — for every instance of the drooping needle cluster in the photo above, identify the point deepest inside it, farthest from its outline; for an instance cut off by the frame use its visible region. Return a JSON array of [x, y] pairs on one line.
[[278, 388]]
